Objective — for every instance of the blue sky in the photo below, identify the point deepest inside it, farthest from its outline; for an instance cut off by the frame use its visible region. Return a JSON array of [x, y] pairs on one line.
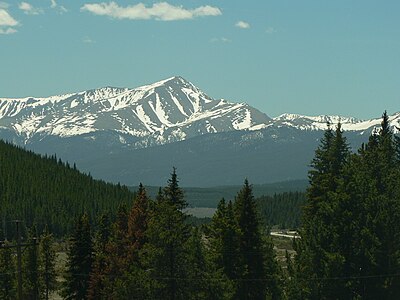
[[309, 57]]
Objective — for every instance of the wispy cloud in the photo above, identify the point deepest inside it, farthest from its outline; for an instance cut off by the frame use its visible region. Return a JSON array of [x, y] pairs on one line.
[[270, 30], [220, 40], [88, 40], [7, 23], [61, 9], [28, 9], [161, 11], [242, 25]]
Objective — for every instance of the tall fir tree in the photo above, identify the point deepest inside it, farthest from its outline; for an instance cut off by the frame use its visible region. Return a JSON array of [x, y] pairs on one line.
[[30, 264], [134, 282], [79, 262], [116, 251], [165, 254], [207, 282], [97, 276], [317, 251], [7, 272], [173, 193], [224, 238], [47, 264], [138, 219], [256, 253], [372, 183]]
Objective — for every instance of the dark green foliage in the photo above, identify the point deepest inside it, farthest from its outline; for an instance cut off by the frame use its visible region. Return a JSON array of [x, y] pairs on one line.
[[30, 265], [114, 261], [224, 239], [241, 250], [317, 255], [80, 259], [100, 268], [206, 282], [282, 210], [256, 253], [7, 273], [210, 196], [173, 193], [164, 255], [43, 190], [47, 264], [350, 235], [137, 221]]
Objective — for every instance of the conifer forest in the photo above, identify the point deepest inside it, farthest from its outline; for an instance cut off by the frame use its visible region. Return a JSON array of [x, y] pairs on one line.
[[66, 235]]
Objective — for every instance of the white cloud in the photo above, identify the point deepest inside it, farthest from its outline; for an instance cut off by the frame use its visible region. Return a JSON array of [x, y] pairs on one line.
[[220, 40], [242, 25], [88, 40], [270, 30], [61, 9], [161, 11], [7, 23], [29, 9]]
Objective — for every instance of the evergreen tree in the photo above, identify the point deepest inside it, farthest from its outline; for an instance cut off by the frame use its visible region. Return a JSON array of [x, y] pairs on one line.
[[317, 251], [30, 265], [7, 272], [138, 219], [165, 254], [206, 281], [97, 276], [371, 184], [47, 264], [173, 193], [224, 239], [116, 251], [256, 253], [79, 262], [134, 282]]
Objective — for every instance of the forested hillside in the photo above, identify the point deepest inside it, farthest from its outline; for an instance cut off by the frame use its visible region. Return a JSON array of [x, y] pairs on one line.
[[282, 210], [44, 190]]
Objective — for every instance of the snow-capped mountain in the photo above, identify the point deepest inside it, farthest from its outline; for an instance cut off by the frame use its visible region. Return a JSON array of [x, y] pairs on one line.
[[131, 135], [348, 123], [166, 111]]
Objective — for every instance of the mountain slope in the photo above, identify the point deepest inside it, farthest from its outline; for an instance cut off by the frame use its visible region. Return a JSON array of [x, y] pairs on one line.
[[45, 191], [167, 111], [131, 135]]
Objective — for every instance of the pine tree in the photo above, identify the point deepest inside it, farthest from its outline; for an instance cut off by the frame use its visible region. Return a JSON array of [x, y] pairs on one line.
[[317, 251], [138, 219], [374, 179], [97, 276], [256, 253], [31, 275], [79, 262], [224, 239], [165, 255], [173, 193], [47, 264], [134, 282], [7, 273], [116, 251]]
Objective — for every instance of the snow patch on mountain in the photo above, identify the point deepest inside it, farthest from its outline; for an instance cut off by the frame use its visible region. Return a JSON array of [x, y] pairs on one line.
[[320, 122]]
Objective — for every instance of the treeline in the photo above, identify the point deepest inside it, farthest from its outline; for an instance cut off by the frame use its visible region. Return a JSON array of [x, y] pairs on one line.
[[45, 191], [350, 236], [349, 245], [151, 252], [282, 210]]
